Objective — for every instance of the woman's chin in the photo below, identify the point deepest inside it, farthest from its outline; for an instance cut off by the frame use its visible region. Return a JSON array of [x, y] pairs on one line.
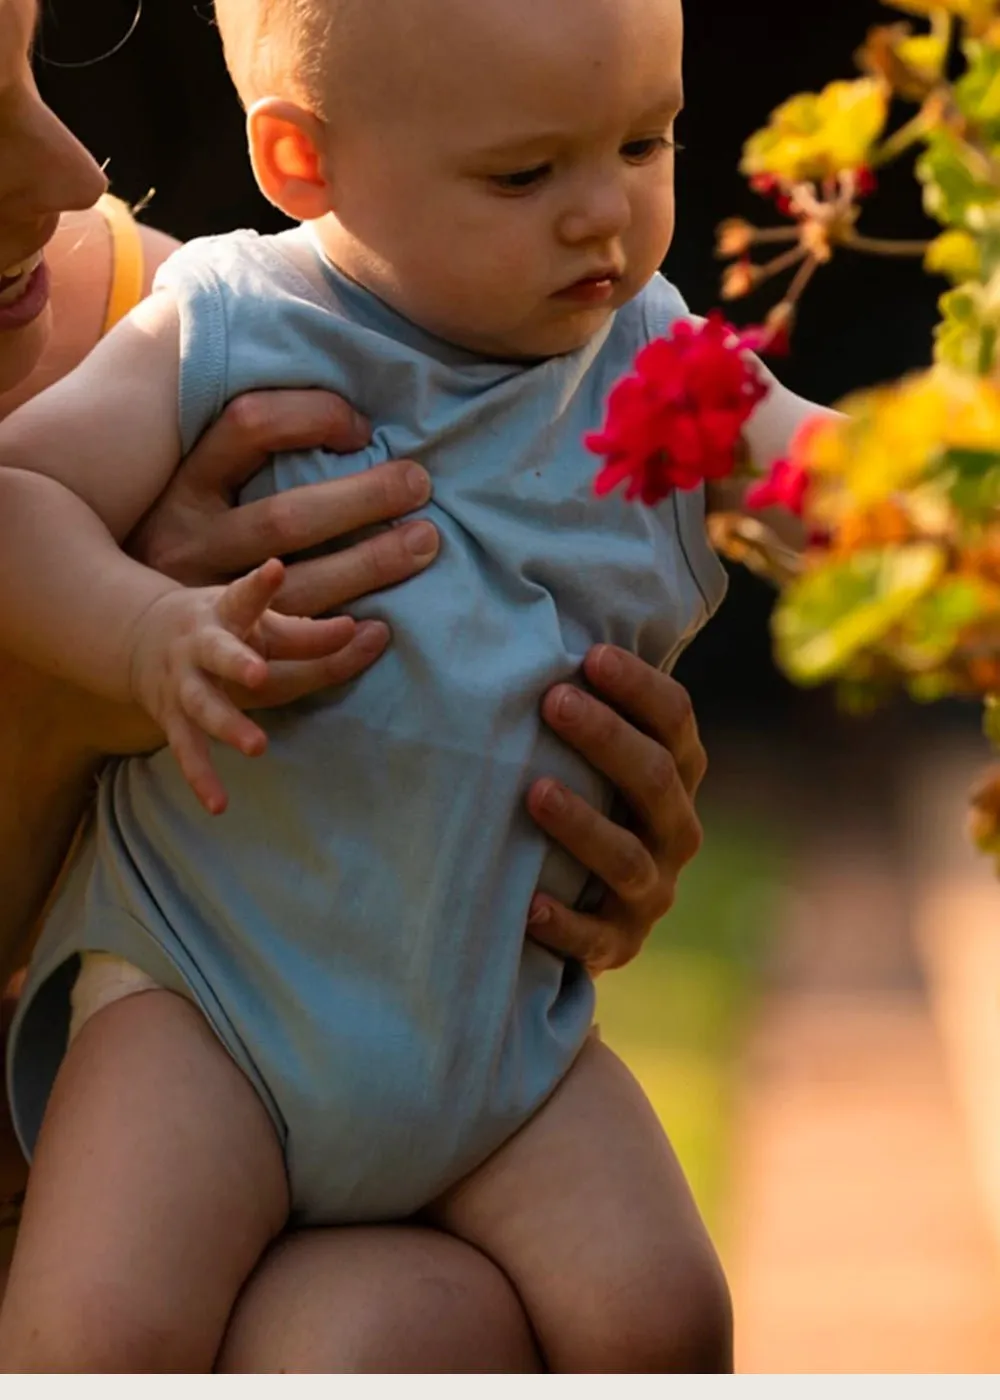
[[21, 349]]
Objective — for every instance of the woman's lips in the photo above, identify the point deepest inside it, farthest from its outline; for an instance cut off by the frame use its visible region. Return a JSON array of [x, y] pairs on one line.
[[23, 297]]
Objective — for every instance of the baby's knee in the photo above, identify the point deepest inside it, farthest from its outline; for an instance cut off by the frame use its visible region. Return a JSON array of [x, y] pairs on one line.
[[665, 1320], [694, 1333]]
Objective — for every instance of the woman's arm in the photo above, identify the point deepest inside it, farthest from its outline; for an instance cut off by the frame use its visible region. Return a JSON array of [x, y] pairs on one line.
[[47, 768]]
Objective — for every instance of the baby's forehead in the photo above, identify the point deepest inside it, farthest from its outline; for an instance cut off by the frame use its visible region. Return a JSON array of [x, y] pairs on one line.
[[428, 29], [484, 59]]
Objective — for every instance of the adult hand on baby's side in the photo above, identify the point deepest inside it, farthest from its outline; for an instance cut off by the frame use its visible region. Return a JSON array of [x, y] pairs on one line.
[[196, 535], [645, 740]]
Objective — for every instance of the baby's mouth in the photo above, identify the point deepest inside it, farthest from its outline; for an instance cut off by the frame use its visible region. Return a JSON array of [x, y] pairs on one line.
[[14, 280]]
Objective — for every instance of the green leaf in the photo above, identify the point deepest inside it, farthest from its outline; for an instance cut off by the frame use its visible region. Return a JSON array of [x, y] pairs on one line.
[[971, 461], [933, 627], [989, 246], [929, 687], [977, 93], [832, 613], [974, 488], [963, 338], [953, 194]]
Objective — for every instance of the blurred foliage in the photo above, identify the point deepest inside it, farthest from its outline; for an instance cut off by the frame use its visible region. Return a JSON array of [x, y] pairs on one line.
[[678, 1016], [899, 588]]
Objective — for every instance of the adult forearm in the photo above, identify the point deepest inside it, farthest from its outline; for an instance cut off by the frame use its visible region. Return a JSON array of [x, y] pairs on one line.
[[70, 599], [46, 776]]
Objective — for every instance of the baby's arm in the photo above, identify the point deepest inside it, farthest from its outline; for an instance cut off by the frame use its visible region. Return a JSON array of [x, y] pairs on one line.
[[79, 466], [768, 437], [769, 433]]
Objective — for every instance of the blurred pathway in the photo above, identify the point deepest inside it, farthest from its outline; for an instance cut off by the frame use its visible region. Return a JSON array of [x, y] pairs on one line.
[[866, 1230]]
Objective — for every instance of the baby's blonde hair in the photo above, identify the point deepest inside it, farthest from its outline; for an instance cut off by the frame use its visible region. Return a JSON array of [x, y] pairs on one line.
[[280, 48]]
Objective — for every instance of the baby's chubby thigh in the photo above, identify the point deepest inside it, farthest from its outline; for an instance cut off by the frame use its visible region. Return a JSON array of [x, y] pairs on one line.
[[588, 1212], [157, 1183]]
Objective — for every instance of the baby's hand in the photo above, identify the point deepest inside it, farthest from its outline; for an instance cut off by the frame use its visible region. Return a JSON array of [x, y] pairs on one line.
[[192, 641]]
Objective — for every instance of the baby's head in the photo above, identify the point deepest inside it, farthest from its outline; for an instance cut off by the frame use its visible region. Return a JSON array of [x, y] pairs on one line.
[[499, 171]]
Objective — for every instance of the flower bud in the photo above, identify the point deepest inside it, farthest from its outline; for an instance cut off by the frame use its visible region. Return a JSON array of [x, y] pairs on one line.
[[738, 280], [734, 238]]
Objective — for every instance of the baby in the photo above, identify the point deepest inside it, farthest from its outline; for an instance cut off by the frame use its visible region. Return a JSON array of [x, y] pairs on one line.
[[320, 1006]]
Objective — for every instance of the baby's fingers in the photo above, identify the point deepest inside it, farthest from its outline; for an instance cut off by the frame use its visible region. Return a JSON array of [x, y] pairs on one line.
[[221, 654], [189, 747], [243, 602], [218, 717], [303, 638]]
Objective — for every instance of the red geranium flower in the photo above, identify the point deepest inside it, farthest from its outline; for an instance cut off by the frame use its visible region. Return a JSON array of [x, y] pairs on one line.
[[786, 485], [676, 421]]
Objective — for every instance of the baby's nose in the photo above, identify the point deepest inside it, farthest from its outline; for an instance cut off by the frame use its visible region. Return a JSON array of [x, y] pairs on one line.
[[601, 214]]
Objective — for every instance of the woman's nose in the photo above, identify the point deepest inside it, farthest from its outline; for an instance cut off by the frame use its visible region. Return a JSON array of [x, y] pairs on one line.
[[63, 175]]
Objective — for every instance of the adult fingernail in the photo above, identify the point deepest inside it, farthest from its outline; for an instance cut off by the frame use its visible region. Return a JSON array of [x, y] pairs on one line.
[[553, 798], [539, 914], [371, 636], [420, 539], [571, 705], [361, 426], [610, 665], [418, 484]]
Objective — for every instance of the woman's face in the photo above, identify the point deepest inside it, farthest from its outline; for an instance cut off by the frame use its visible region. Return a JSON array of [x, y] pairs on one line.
[[43, 171]]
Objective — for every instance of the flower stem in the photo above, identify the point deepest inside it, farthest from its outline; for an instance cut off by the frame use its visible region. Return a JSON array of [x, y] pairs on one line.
[[900, 141], [802, 279], [884, 247], [780, 264], [942, 25], [776, 235]]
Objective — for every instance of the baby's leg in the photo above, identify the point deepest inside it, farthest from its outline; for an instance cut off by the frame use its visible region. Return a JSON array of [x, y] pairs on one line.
[[588, 1213], [157, 1184]]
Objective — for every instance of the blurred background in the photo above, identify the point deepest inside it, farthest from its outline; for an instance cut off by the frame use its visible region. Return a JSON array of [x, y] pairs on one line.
[[818, 1021]]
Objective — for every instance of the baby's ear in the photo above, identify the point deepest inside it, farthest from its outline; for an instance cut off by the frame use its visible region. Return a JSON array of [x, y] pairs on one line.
[[287, 149]]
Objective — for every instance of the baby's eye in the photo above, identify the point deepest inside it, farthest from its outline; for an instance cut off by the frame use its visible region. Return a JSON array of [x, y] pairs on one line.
[[521, 181], [640, 151]]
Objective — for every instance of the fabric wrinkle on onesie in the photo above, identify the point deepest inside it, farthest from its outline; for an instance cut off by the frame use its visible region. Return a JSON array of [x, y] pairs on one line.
[[353, 926]]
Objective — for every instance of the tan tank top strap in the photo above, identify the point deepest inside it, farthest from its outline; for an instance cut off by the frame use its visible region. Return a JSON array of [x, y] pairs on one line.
[[128, 263]]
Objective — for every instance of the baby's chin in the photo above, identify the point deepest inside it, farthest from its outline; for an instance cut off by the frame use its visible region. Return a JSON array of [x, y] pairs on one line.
[[21, 350]]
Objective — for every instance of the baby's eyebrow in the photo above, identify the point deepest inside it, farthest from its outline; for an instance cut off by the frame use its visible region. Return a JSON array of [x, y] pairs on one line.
[[519, 144], [669, 104], [524, 143]]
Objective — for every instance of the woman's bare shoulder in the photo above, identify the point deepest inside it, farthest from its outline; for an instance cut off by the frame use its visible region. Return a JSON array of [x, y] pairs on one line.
[[156, 247], [81, 265]]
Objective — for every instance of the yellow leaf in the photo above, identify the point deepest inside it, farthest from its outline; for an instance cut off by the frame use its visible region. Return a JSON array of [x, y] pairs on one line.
[[891, 437], [954, 254], [977, 14], [816, 135], [925, 54]]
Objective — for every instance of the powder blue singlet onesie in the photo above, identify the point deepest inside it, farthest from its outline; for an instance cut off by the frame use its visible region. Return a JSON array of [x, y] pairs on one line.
[[353, 926]]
